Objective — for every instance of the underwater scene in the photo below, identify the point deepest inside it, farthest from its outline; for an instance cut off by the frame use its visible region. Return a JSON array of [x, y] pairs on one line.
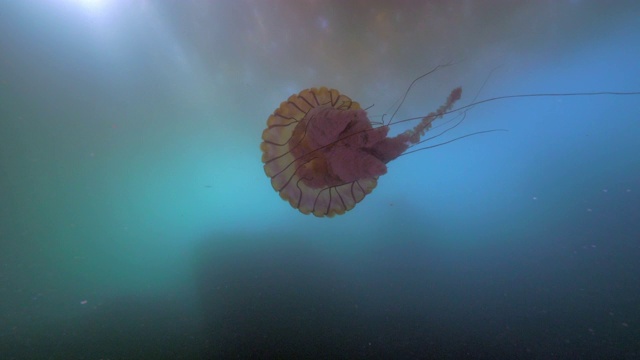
[[280, 179]]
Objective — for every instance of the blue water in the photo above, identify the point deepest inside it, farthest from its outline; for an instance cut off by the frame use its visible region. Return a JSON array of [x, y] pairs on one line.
[[136, 220]]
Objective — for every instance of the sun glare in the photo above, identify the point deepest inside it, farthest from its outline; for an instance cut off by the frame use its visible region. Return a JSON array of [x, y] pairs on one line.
[[93, 5]]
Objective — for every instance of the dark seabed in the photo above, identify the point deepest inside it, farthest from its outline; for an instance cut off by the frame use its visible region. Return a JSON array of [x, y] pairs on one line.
[[136, 221]]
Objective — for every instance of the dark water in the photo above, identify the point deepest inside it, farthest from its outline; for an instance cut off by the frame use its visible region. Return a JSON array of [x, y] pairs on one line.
[[136, 221]]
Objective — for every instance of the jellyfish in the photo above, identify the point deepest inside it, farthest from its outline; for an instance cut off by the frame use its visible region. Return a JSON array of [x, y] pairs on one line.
[[323, 154]]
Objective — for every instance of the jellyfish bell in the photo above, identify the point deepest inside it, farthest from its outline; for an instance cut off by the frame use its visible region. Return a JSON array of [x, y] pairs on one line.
[[324, 156]]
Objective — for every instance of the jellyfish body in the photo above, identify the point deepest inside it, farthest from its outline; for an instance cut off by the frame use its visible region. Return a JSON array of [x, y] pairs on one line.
[[324, 156]]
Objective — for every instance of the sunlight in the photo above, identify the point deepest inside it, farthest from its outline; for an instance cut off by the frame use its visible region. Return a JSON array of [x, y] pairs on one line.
[[91, 5]]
